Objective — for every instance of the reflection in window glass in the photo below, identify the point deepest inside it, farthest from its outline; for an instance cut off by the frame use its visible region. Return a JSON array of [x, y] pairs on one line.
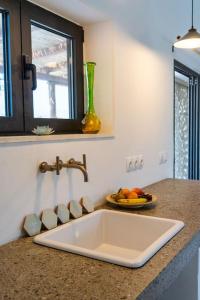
[[42, 108], [61, 94], [51, 54], [2, 85]]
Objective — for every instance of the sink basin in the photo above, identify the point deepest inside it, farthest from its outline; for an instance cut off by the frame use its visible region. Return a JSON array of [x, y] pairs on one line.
[[117, 237]]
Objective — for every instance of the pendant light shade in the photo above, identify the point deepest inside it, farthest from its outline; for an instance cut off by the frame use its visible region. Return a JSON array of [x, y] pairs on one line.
[[190, 40]]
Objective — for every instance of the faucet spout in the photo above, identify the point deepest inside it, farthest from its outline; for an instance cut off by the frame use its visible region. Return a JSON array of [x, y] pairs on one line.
[[73, 164]]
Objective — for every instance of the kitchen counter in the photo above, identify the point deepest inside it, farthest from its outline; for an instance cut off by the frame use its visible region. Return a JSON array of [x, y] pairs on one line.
[[30, 271]]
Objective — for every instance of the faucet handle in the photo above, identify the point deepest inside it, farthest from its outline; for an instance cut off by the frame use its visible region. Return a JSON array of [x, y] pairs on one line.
[[59, 165], [44, 167], [73, 161], [84, 161]]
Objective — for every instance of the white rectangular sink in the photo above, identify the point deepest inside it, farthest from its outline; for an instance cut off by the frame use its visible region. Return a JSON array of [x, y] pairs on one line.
[[117, 237]]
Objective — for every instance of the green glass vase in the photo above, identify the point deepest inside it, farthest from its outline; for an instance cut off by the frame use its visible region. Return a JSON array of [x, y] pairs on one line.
[[90, 123]]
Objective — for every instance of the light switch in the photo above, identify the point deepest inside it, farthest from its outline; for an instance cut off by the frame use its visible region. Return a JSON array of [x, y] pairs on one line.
[[163, 157]]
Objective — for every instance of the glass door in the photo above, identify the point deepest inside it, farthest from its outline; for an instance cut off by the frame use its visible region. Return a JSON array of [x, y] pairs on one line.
[[186, 123], [181, 107]]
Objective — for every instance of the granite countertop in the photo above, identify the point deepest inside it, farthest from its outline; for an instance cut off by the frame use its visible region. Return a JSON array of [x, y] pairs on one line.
[[31, 271]]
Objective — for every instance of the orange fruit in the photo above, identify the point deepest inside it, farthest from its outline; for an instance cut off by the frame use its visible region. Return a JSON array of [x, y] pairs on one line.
[[125, 191], [138, 191], [132, 195]]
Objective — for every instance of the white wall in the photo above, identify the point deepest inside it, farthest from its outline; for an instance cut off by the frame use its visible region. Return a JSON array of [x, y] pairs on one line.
[[139, 68], [99, 47]]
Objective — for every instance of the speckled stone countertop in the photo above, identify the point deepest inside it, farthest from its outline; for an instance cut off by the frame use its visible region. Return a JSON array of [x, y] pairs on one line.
[[29, 271]]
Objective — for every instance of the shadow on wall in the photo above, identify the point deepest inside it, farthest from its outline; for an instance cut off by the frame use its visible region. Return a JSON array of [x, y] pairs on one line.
[[40, 186], [39, 193]]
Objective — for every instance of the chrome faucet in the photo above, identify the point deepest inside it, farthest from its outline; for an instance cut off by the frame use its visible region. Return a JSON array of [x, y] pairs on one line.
[[72, 163]]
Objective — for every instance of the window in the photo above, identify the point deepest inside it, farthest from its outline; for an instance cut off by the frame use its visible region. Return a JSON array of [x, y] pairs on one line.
[[52, 56], [186, 123], [41, 70]]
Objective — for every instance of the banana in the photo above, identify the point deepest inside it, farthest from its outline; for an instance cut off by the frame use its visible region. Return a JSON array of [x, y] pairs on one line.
[[123, 201], [132, 201]]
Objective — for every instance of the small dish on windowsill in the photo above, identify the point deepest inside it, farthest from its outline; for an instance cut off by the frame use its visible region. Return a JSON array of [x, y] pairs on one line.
[[43, 130]]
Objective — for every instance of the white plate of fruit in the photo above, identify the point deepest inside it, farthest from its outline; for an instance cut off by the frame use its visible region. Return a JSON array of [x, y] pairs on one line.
[[131, 198]]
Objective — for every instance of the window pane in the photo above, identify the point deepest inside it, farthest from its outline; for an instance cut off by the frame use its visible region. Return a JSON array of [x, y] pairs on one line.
[[62, 108], [2, 79], [181, 125], [52, 55], [42, 108]]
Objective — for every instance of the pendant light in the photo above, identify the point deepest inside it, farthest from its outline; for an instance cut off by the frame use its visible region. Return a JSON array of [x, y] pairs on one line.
[[191, 39]]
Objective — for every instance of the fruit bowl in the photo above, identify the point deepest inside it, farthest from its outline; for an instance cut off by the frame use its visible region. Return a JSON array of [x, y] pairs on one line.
[[131, 198], [131, 203]]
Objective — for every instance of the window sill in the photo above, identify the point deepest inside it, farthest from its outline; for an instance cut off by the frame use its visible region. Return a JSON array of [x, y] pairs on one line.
[[54, 138]]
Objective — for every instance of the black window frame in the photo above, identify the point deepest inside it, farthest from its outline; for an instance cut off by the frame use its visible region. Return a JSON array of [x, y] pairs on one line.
[[14, 121], [22, 14]]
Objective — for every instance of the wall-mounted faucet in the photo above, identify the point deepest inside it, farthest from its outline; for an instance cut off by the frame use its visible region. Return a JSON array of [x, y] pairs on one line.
[[72, 163]]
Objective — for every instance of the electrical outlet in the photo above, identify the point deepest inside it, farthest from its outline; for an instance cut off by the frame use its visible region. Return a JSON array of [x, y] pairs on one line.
[[129, 165], [140, 161], [134, 163]]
